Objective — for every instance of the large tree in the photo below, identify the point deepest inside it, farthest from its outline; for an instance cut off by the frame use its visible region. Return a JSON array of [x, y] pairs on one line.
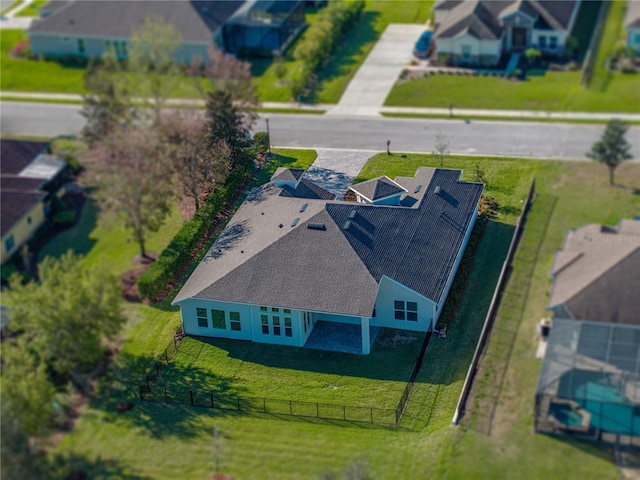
[[131, 169], [153, 69], [229, 123], [199, 165], [107, 105], [66, 316], [612, 149], [226, 73]]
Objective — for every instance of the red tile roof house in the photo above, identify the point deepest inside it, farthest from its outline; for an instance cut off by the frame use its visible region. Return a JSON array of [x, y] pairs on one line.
[[478, 32], [293, 261]]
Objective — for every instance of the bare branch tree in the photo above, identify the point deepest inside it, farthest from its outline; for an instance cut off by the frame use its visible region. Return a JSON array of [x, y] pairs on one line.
[[200, 166], [226, 73], [131, 169], [441, 150]]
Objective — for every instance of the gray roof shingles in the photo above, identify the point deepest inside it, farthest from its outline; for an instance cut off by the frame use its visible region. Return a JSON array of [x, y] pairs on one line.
[[195, 20], [307, 189], [337, 270]]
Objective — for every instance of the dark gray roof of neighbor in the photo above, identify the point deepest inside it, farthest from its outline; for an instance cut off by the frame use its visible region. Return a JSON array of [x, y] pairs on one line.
[[378, 188], [307, 189], [632, 15], [329, 256], [16, 155], [287, 174], [195, 20], [597, 274], [481, 18]]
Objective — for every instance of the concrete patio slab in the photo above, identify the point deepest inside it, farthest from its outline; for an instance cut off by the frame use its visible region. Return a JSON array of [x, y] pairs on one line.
[[338, 337]]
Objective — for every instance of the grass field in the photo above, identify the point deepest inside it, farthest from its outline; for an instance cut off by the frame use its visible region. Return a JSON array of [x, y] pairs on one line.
[[32, 9], [555, 91], [157, 441], [612, 35]]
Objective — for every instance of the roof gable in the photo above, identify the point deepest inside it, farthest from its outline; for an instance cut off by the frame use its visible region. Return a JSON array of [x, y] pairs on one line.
[[378, 188]]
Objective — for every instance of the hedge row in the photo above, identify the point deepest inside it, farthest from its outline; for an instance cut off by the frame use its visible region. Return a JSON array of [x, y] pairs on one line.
[[179, 251], [322, 37]]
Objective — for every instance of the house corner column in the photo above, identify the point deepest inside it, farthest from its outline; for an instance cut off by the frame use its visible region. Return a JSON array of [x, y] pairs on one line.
[[366, 340]]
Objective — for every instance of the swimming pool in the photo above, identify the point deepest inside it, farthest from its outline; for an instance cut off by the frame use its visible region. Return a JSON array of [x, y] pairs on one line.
[[610, 410]]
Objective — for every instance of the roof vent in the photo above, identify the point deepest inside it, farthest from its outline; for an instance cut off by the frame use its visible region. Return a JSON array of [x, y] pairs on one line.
[[418, 187], [295, 221], [437, 190], [346, 225], [303, 207], [353, 214], [280, 226], [316, 226]]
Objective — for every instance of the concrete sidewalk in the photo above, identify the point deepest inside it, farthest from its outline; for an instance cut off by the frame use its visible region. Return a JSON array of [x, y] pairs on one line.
[[458, 113], [375, 78], [10, 21]]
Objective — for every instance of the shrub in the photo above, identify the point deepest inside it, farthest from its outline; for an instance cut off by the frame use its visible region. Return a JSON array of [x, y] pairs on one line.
[[58, 205], [261, 142], [173, 258], [64, 218]]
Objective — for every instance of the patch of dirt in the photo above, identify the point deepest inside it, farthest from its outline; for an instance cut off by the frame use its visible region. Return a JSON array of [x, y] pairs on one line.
[[398, 340], [129, 283], [146, 260]]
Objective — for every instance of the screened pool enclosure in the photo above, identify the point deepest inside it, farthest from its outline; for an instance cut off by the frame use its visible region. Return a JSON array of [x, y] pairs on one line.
[[590, 382]]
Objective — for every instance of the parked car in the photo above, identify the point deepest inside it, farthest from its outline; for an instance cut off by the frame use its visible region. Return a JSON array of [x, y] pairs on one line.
[[422, 48]]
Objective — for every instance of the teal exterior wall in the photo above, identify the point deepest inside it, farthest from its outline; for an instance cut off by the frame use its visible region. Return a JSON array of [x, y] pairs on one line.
[[190, 313], [391, 291]]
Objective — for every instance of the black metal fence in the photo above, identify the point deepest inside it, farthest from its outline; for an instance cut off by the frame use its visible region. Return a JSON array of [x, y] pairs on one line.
[[209, 399], [406, 394], [162, 361]]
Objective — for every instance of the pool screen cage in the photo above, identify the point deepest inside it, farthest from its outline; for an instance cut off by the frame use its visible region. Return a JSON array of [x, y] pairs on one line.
[[590, 382]]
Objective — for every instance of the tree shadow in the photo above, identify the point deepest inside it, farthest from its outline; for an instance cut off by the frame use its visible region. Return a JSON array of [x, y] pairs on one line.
[[228, 239], [167, 407], [75, 466], [335, 182], [77, 238]]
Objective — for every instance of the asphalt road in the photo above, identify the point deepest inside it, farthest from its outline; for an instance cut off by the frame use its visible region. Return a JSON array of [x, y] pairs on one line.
[[525, 139]]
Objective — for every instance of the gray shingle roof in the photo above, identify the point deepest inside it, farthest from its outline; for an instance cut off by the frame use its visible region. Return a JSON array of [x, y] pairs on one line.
[[596, 273], [195, 20], [481, 18], [307, 189], [287, 174], [632, 15], [262, 258], [378, 188]]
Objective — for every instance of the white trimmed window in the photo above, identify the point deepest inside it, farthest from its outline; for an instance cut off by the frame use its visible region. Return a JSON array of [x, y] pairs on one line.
[[553, 42], [201, 314], [218, 320], [234, 321], [81, 46], [542, 41], [405, 310]]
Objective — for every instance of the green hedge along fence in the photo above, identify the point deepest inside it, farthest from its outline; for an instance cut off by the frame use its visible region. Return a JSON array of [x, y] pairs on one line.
[[173, 258]]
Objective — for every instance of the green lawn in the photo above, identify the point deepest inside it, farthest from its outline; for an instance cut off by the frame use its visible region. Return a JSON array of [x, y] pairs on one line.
[[612, 35], [229, 368], [32, 9], [554, 91], [158, 441], [21, 75]]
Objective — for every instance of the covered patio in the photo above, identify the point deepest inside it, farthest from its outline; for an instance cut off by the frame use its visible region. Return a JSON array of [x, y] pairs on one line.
[[340, 337]]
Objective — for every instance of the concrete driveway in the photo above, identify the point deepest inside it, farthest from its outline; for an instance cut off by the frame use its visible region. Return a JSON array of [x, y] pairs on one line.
[[335, 169], [373, 81]]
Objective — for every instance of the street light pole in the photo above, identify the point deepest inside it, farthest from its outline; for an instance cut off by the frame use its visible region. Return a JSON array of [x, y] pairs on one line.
[[268, 134]]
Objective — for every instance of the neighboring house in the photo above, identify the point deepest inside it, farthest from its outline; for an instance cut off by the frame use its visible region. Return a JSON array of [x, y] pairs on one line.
[[26, 173], [286, 262], [590, 379], [596, 274], [632, 24], [478, 32], [88, 28]]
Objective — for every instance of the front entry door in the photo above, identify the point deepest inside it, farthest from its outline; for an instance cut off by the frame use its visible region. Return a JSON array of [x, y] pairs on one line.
[[518, 37]]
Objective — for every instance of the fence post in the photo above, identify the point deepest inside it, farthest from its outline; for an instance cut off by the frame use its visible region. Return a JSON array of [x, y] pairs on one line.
[[141, 395], [157, 370], [397, 418], [166, 355], [212, 406], [238, 400], [344, 412], [371, 415], [317, 410], [191, 395], [290, 407], [166, 399], [264, 404], [148, 387]]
